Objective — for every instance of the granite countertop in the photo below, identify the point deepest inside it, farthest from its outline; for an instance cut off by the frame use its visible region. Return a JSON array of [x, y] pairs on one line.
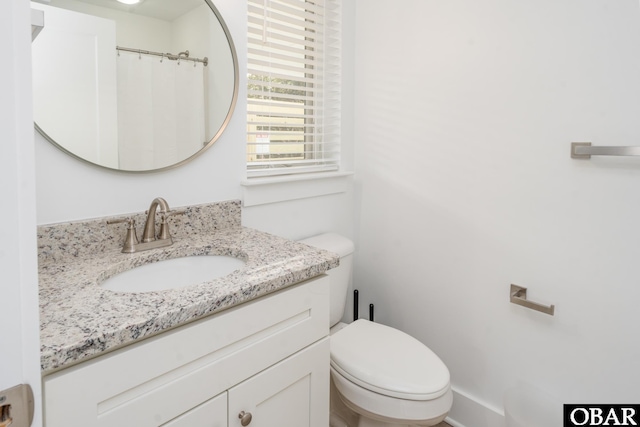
[[80, 320]]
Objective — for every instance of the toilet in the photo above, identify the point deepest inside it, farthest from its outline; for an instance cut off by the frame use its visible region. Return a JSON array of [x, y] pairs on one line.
[[380, 376]]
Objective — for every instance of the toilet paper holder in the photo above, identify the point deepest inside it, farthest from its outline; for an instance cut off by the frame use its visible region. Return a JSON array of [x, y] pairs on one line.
[[518, 295]]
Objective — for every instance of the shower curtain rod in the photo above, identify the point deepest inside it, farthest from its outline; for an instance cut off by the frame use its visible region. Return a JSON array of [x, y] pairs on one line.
[[183, 56]]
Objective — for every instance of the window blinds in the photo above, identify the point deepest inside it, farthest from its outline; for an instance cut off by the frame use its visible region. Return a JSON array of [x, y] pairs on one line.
[[293, 93]]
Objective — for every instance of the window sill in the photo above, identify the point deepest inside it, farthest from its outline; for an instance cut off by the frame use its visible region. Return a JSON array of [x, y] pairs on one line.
[[261, 191]]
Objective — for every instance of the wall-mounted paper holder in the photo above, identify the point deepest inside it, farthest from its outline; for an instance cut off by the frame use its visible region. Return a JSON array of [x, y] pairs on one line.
[[518, 295]]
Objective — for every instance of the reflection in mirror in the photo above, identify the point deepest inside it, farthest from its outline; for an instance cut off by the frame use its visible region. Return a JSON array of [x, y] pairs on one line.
[[135, 88]]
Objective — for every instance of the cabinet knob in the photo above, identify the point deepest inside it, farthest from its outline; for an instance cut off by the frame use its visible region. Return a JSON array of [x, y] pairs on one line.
[[245, 418]]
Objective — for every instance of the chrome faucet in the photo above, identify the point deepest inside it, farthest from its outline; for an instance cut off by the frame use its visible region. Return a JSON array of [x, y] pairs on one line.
[[150, 240]]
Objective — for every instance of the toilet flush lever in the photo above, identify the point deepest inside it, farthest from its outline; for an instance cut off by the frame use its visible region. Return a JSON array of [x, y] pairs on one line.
[[518, 295]]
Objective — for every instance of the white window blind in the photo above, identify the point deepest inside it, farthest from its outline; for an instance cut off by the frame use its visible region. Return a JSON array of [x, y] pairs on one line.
[[293, 94]]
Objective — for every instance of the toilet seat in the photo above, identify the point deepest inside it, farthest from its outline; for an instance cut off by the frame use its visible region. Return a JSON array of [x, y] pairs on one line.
[[387, 361]]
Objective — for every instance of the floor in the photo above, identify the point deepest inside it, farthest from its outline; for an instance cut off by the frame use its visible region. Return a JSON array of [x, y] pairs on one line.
[[442, 424]]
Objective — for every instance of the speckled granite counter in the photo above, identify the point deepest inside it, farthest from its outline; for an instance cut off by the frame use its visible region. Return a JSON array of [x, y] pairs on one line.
[[80, 320]]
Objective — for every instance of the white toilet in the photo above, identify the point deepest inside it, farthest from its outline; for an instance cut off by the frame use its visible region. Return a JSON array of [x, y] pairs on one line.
[[381, 377]]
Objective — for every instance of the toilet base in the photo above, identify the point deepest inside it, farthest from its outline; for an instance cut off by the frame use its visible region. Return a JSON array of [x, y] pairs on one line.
[[346, 414], [367, 422], [341, 415], [366, 419]]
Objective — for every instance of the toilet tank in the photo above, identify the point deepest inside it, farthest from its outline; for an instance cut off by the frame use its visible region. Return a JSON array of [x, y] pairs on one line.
[[339, 276]]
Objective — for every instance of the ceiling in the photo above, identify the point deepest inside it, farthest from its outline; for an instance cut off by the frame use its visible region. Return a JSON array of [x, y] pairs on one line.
[[167, 10]]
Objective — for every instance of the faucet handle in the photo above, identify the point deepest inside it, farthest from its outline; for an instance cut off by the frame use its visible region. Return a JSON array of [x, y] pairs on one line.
[[130, 221], [131, 239], [164, 226]]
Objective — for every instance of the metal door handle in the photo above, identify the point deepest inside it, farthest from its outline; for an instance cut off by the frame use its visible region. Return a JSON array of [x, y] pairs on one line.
[[16, 406]]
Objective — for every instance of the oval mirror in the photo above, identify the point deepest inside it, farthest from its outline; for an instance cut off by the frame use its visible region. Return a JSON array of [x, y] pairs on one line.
[[133, 87]]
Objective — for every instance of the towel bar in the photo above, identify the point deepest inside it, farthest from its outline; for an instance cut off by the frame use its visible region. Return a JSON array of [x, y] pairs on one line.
[[584, 150]]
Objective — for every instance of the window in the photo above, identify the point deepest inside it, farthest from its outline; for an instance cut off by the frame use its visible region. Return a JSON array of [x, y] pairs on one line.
[[293, 105]]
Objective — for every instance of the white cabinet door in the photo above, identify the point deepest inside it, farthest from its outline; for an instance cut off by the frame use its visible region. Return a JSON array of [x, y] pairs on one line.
[[74, 64], [212, 413], [292, 393]]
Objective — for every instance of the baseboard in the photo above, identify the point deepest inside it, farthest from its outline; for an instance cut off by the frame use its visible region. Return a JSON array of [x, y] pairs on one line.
[[470, 412]]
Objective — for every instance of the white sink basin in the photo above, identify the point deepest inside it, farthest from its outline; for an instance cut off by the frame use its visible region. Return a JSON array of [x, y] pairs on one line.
[[173, 273]]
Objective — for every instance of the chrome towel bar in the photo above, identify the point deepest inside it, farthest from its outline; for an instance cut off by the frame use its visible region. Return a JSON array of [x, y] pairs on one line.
[[518, 295], [584, 150]]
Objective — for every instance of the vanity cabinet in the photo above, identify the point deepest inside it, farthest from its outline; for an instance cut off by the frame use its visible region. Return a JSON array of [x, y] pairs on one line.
[[212, 413], [268, 357]]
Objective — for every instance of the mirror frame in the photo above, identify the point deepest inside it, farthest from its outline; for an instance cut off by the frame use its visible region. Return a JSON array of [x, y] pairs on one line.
[[223, 126]]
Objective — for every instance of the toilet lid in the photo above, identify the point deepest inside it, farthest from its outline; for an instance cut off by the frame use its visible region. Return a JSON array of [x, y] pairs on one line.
[[387, 361]]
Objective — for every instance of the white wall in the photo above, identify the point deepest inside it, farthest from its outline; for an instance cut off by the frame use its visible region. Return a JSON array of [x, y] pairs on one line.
[[20, 349], [132, 30], [465, 111], [464, 185], [69, 189]]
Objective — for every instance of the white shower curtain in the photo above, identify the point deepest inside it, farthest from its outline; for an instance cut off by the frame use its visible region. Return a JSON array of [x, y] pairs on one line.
[[160, 111]]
